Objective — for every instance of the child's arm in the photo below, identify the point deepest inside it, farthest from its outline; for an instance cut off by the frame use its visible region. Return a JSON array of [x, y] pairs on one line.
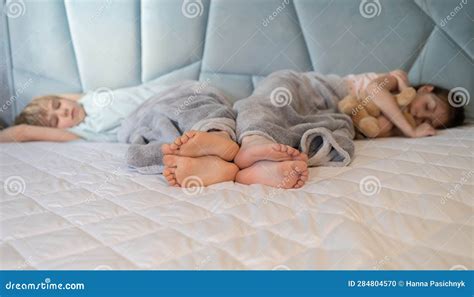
[[23, 133], [380, 89]]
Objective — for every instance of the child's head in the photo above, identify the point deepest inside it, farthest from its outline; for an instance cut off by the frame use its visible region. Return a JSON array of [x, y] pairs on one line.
[[431, 105], [52, 111]]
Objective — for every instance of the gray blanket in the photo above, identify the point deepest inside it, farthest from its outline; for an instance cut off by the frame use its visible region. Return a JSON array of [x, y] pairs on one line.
[[189, 105], [300, 110]]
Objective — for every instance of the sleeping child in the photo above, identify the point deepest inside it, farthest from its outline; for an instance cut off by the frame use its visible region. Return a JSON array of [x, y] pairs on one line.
[[292, 117], [195, 118]]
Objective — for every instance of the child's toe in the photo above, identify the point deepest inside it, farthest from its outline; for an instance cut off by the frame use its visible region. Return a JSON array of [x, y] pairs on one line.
[[178, 141], [191, 134], [184, 138], [170, 162], [166, 149]]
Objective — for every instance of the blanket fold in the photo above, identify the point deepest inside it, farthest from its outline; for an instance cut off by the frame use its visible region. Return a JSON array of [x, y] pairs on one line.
[[300, 110], [189, 105]]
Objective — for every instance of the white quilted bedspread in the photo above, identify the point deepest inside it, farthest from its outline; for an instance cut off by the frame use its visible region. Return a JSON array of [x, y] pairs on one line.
[[401, 204]]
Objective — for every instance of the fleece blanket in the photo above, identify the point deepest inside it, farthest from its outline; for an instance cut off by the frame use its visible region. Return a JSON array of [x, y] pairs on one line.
[[300, 110], [189, 105]]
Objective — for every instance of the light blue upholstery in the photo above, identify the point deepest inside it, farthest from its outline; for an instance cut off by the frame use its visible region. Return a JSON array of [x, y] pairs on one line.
[[76, 46]]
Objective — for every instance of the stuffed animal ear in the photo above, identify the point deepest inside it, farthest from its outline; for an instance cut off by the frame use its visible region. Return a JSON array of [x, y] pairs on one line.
[[406, 97]]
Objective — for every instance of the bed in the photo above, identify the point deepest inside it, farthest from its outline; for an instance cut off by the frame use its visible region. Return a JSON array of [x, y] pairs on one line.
[[401, 204]]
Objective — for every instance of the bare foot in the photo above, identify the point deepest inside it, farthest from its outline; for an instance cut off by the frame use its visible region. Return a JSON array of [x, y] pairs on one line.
[[283, 175], [199, 144], [257, 148], [202, 171]]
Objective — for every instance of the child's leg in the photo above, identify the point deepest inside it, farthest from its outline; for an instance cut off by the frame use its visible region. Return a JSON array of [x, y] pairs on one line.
[[198, 144], [256, 148], [201, 171]]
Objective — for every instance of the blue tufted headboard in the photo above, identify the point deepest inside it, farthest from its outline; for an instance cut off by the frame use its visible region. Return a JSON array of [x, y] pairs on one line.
[[75, 46]]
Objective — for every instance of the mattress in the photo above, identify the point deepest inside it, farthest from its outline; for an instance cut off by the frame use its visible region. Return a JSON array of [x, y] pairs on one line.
[[401, 204]]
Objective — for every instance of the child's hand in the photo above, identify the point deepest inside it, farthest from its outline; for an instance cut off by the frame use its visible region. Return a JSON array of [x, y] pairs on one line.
[[423, 130]]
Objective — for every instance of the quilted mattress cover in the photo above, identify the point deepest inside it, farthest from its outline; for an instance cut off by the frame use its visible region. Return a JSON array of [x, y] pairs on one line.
[[401, 204]]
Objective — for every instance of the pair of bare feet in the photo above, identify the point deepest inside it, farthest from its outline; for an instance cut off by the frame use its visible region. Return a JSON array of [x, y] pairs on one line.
[[204, 158], [200, 159], [262, 161]]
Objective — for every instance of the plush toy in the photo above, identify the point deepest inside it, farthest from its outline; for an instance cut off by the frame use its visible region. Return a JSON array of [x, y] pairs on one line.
[[365, 114]]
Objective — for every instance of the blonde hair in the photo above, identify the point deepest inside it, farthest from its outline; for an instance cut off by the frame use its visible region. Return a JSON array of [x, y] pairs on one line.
[[36, 112]]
